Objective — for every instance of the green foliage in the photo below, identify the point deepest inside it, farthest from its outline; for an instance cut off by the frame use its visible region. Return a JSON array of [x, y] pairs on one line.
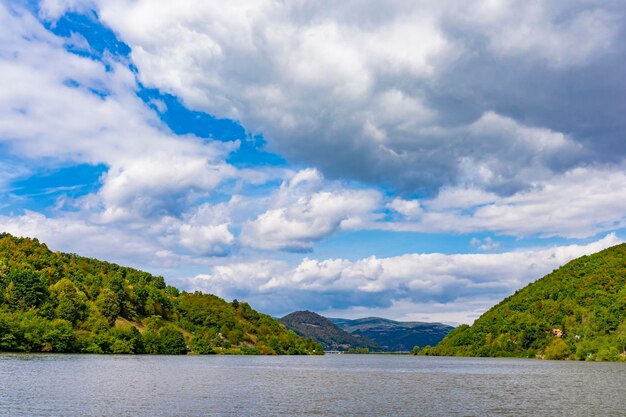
[[358, 351], [56, 302], [108, 304], [576, 312], [25, 288], [557, 349], [71, 302], [172, 342], [204, 342]]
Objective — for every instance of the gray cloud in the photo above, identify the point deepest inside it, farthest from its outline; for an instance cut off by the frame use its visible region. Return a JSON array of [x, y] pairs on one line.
[[392, 92]]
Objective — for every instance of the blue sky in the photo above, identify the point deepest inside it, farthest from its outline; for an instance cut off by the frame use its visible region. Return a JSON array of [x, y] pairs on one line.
[[419, 163]]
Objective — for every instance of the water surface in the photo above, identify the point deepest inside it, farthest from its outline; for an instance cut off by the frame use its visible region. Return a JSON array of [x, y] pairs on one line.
[[332, 385]]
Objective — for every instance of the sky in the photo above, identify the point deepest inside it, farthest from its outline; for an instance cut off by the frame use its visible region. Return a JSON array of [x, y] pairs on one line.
[[408, 160]]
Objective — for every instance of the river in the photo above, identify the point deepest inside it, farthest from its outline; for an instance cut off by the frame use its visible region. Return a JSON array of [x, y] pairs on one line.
[[332, 385]]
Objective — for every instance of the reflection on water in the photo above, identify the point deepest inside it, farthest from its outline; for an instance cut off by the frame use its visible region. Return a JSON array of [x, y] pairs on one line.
[[333, 385]]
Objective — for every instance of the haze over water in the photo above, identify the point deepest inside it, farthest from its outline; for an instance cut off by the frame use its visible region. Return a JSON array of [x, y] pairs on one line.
[[333, 385]]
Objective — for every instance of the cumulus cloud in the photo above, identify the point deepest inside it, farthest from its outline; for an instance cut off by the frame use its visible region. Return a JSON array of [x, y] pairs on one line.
[[578, 204], [161, 183], [581, 203], [407, 208], [429, 283], [210, 240], [407, 94], [207, 230], [303, 212], [76, 235], [157, 243], [59, 107]]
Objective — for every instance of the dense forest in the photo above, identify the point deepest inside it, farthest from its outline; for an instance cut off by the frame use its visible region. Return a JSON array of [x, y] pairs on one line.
[[58, 302], [576, 312], [322, 330]]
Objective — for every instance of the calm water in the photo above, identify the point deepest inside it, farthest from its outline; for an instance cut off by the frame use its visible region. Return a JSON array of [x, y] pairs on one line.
[[333, 385]]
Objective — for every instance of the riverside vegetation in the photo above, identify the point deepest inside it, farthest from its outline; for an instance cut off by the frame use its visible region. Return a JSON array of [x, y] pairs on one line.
[[59, 302], [576, 312]]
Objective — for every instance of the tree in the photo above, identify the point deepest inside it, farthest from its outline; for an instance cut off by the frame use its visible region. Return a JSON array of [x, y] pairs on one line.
[[151, 342], [109, 305], [203, 343], [26, 288], [71, 302], [557, 349], [172, 342], [58, 336]]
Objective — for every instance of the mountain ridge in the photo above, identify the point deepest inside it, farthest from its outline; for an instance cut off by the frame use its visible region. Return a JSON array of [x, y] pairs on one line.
[[323, 331], [395, 336]]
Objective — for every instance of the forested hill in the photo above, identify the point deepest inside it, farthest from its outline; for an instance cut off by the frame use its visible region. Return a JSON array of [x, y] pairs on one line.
[[576, 312], [58, 302], [322, 330]]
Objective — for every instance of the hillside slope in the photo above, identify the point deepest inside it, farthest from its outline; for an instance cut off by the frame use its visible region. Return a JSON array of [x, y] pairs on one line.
[[323, 331], [576, 312], [58, 302], [395, 336]]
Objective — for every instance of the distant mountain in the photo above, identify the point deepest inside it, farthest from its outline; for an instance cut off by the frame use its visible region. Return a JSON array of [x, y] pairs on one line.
[[323, 331], [576, 312], [395, 336]]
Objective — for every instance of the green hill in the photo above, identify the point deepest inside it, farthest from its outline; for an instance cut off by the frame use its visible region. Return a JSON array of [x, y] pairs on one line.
[[395, 336], [322, 330], [58, 302], [576, 312]]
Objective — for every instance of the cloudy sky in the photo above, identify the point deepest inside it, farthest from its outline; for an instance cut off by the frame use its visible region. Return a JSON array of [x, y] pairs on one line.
[[410, 160]]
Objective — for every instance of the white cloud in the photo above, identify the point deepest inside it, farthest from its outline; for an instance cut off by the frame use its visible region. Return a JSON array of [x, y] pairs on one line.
[[408, 208], [75, 235], [242, 276], [211, 240], [51, 113], [303, 213], [430, 281], [58, 108], [578, 204], [160, 183]]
